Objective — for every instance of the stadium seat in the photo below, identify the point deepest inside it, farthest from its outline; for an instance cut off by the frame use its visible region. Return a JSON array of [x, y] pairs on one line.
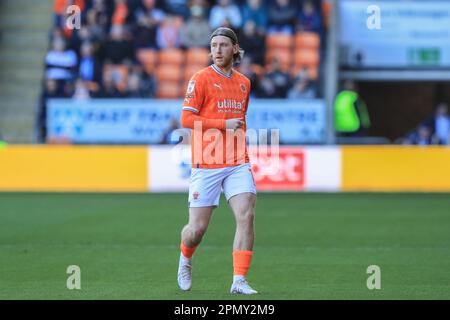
[[309, 40], [147, 58], [172, 56], [190, 70], [313, 72], [279, 41], [169, 90], [120, 73], [197, 56], [306, 57], [283, 55], [257, 69], [169, 73]]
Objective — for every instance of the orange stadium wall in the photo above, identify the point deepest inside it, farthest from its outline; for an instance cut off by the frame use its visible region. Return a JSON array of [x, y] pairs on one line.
[[396, 168], [148, 169], [73, 168]]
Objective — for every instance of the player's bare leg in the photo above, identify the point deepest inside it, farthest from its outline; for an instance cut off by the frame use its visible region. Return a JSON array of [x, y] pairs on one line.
[[191, 236], [243, 206]]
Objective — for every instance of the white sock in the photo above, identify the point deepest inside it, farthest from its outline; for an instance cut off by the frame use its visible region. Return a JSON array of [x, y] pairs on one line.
[[238, 277], [184, 260]]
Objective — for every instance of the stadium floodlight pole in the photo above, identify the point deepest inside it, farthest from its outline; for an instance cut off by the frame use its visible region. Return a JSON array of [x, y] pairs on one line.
[[331, 71]]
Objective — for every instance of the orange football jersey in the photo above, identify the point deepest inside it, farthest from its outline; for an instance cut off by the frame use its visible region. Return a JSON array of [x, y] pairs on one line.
[[216, 97]]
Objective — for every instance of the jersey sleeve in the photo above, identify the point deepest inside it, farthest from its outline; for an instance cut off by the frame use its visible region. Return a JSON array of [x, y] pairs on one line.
[[195, 94], [248, 97]]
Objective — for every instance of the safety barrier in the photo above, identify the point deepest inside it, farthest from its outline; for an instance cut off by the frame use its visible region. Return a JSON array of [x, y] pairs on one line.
[[167, 169]]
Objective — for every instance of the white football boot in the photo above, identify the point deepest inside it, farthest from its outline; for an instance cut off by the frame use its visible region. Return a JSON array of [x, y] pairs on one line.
[[241, 286], [185, 273]]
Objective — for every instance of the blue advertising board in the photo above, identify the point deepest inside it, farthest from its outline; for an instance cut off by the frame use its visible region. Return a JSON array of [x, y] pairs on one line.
[[145, 121]]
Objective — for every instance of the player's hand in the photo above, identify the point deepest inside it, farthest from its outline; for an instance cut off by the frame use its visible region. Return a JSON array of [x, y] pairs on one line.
[[234, 123]]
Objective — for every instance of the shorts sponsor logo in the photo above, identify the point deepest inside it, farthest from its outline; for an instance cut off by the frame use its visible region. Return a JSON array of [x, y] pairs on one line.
[[196, 195]]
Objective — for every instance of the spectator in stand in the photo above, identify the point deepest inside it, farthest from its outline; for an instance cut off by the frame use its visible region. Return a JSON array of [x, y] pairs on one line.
[[201, 3], [245, 67], [140, 84], [78, 37], [60, 63], [266, 88], [59, 8], [90, 68], [56, 33], [133, 6], [439, 124], [169, 136], [253, 10], [442, 124], [51, 91], [309, 18], [279, 78], [148, 18], [111, 86], [96, 31], [149, 85], [120, 13], [92, 31], [118, 48], [81, 91], [225, 14], [252, 42], [422, 136], [102, 10], [302, 89], [168, 33], [196, 31], [282, 15], [177, 8]]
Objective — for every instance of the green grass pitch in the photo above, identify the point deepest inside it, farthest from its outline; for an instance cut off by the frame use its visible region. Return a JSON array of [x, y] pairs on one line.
[[308, 246]]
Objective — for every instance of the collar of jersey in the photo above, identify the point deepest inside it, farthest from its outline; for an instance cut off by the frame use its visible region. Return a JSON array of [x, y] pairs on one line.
[[221, 72]]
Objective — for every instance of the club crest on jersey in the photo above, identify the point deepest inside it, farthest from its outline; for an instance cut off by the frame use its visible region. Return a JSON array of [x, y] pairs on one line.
[[243, 88], [191, 86]]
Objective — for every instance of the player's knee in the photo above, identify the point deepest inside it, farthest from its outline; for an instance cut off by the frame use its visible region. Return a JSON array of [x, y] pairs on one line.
[[198, 231], [246, 217]]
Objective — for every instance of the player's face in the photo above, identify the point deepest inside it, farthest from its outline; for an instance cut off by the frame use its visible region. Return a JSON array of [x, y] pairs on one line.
[[222, 50]]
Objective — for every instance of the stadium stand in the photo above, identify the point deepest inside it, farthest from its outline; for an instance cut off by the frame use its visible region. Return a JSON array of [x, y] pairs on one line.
[[153, 37]]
